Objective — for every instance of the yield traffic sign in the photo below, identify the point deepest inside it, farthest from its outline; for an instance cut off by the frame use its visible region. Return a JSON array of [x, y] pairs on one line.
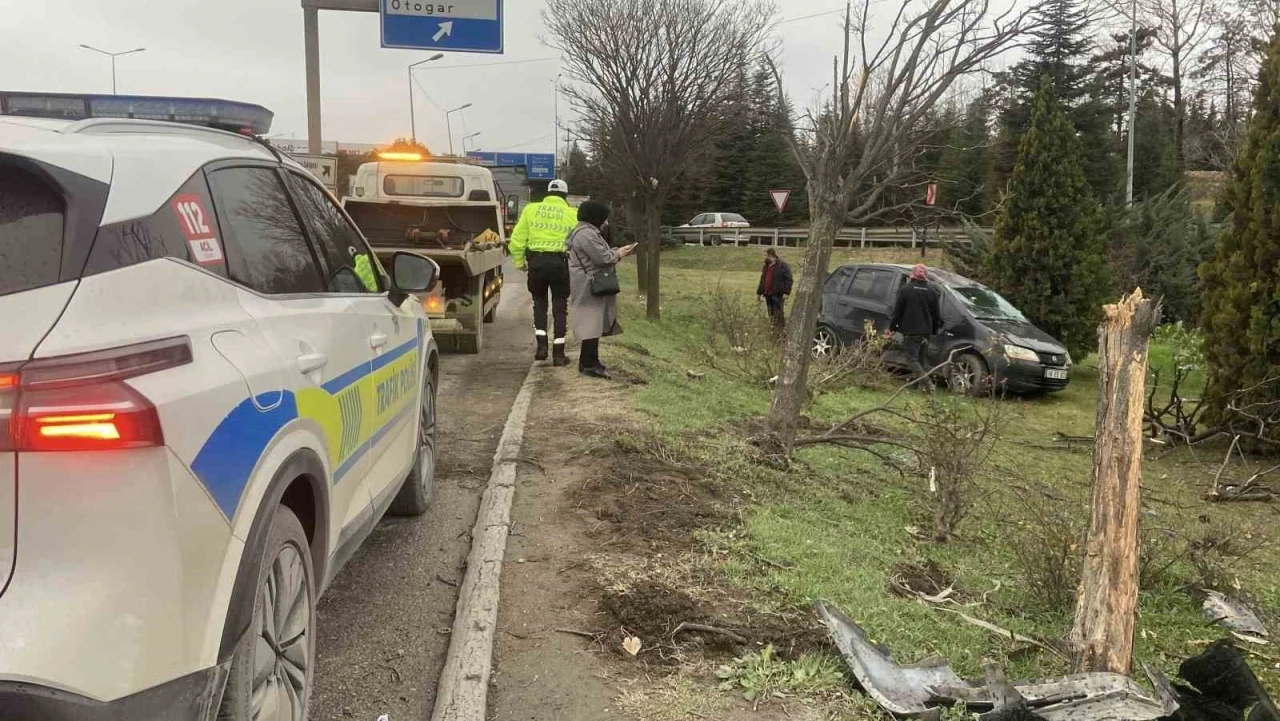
[[781, 197], [465, 26]]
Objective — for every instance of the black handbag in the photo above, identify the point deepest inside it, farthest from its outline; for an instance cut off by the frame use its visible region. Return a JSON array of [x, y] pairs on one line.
[[603, 283]]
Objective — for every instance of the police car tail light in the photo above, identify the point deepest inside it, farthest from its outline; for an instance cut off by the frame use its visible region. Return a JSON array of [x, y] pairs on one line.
[[81, 403], [8, 403]]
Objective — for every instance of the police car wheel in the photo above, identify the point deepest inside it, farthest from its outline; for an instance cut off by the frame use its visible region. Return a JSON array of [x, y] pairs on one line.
[[274, 664], [419, 489]]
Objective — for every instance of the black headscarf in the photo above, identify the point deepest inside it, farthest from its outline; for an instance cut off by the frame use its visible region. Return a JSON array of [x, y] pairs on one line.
[[595, 213]]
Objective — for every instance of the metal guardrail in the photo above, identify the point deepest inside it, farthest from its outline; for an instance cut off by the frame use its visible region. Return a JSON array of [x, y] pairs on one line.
[[846, 238]]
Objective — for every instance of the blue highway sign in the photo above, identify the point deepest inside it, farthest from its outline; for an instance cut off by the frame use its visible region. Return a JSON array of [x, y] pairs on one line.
[[538, 166], [463, 26]]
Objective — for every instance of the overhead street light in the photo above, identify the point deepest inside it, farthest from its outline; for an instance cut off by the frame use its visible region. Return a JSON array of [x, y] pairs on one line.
[[113, 57], [448, 122], [465, 139], [413, 121]]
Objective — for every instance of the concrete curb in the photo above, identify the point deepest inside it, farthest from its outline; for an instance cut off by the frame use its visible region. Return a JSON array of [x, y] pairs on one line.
[[462, 693]]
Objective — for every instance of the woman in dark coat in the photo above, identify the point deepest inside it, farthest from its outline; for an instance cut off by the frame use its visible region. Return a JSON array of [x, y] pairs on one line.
[[592, 317]]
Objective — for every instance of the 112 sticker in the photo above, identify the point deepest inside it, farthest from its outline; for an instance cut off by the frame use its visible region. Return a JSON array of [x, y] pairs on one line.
[[194, 221]]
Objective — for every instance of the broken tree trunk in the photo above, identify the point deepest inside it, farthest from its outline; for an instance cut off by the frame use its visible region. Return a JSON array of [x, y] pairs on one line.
[[1102, 639]]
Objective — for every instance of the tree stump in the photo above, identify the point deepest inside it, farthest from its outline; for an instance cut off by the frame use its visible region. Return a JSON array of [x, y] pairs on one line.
[[1102, 638]]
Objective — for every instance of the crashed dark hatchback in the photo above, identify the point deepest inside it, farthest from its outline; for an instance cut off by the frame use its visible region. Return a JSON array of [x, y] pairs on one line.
[[990, 341]]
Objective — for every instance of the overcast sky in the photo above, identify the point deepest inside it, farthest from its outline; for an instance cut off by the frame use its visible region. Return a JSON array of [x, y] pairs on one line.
[[251, 50]]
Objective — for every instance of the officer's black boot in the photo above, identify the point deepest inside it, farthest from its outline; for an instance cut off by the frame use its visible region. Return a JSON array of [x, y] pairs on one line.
[[541, 353], [559, 359]]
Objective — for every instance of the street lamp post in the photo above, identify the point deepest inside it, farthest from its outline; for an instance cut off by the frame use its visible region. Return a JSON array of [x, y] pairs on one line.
[[113, 57], [1133, 96], [448, 122], [555, 131], [413, 122], [465, 138]]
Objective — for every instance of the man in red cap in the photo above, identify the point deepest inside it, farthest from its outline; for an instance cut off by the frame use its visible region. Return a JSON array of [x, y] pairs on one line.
[[918, 317]]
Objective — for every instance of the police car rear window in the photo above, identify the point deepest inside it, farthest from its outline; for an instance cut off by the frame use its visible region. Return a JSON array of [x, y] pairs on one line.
[[423, 186], [31, 223]]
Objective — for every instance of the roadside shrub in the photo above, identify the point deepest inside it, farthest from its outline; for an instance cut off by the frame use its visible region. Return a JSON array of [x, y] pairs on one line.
[[742, 344], [1207, 559], [956, 438], [1047, 553], [740, 340], [860, 364], [1157, 245]]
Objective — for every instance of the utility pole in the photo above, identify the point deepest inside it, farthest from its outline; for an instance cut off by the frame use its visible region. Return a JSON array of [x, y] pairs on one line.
[[113, 57], [1133, 95], [413, 122]]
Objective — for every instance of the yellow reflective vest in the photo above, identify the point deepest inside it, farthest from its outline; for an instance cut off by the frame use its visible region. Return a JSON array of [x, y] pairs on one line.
[[543, 228], [364, 270]]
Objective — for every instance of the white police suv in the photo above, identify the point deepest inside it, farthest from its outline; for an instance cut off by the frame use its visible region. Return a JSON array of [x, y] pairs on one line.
[[209, 393]]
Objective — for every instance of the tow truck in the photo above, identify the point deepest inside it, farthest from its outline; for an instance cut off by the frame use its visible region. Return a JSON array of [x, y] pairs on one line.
[[446, 209]]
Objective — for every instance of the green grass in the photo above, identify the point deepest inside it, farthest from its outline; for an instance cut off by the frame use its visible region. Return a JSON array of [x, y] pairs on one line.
[[835, 527]]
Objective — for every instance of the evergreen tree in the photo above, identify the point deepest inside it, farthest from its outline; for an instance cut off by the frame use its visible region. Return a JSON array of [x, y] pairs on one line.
[[963, 173], [1059, 49], [1242, 281], [581, 173], [1157, 245], [773, 165], [1155, 154], [1045, 254]]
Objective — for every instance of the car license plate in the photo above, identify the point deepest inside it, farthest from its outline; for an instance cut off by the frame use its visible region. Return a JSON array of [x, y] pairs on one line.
[[1055, 374]]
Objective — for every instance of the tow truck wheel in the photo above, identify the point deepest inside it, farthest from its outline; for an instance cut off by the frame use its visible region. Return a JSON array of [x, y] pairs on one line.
[[274, 664], [419, 489]]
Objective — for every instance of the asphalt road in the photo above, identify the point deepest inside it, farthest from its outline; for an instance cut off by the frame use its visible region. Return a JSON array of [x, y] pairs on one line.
[[384, 622]]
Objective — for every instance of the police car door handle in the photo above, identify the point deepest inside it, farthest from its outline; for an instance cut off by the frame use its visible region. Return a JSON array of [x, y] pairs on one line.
[[378, 340], [312, 362]]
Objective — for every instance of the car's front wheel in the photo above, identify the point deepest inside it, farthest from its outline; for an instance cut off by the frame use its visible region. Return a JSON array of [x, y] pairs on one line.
[[968, 375], [419, 489], [274, 664]]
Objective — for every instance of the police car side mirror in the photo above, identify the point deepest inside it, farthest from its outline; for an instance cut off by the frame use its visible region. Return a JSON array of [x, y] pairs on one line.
[[412, 273]]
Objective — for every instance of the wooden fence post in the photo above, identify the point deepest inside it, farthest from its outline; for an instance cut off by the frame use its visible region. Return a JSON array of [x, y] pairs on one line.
[[864, 237], [1102, 637]]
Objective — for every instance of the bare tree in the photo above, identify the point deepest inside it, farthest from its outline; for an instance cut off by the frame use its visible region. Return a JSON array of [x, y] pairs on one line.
[[651, 76], [859, 145], [1227, 68], [1181, 27]]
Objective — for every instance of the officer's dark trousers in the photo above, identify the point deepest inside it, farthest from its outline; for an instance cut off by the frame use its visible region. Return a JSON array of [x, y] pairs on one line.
[[549, 275]]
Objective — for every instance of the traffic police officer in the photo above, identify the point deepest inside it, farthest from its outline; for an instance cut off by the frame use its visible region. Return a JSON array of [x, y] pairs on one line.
[[538, 246]]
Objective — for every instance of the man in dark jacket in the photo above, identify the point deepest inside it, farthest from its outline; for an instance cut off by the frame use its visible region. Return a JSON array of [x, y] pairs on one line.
[[917, 316], [775, 286]]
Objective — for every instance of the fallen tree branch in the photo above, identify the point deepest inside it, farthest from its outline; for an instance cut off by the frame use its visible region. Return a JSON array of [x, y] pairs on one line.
[[1004, 632], [584, 634], [703, 628]]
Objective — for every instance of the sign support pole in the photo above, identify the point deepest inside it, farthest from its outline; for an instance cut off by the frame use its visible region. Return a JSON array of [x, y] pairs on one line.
[[311, 45]]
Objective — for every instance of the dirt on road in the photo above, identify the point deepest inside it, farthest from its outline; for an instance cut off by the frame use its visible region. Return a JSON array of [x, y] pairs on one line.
[[384, 622], [605, 546]]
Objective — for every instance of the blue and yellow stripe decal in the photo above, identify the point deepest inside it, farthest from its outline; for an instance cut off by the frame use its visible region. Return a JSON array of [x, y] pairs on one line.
[[354, 412]]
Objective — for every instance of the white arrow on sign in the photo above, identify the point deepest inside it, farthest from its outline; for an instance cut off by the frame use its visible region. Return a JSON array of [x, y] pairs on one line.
[[446, 29]]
